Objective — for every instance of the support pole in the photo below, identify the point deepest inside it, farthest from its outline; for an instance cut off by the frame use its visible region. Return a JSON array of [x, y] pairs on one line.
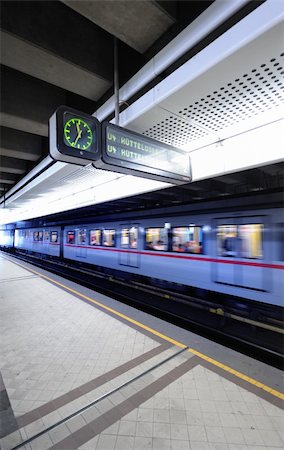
[[116, 83]]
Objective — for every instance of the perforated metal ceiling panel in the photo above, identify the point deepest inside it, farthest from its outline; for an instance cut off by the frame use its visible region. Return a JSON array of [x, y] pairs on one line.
[[229, 97]]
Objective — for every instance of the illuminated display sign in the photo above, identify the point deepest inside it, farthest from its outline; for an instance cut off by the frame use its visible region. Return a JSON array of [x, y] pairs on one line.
[[74, 136], [135, 154], [79, 138]]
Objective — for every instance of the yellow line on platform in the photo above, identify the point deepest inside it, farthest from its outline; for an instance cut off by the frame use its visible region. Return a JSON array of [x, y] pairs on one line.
[[237, 374], [166, 338]]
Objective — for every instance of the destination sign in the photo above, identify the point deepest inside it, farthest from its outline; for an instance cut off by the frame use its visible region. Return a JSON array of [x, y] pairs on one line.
[[140, 155]]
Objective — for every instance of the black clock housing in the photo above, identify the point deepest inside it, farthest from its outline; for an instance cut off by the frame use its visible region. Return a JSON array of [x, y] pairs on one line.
[[74, 136]]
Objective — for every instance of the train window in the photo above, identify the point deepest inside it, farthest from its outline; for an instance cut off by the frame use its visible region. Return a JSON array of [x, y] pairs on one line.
[[227, 240], [46, 235], [36, 237], [157, 239], [81, 237], [187, 239], [54, 236], [125, 238], [109, 238], [129, 237], [70, 237], [133, 235], [40, 235], [250, 240], [95, 237]]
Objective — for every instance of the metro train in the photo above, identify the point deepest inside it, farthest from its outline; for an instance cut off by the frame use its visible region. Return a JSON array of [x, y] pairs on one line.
[[229, 247]]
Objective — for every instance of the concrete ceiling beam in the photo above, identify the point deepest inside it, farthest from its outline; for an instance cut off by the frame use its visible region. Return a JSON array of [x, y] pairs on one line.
[[11, 165], [138, 23], [8, 178], [72, 37], [75, 55], [27, 103], [21, 145]]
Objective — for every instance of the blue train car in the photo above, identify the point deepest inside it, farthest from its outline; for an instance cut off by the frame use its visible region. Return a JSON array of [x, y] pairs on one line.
[[237, 253], [231, 249], [44, 241]]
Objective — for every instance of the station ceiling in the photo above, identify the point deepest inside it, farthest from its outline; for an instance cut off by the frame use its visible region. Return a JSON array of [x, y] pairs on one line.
[[61, 53], [227, 83]]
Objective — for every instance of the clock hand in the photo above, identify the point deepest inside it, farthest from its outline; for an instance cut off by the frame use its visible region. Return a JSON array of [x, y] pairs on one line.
[[78, 136]]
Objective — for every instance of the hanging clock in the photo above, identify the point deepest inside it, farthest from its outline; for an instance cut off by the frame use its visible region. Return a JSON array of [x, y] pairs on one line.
[[74, 136]]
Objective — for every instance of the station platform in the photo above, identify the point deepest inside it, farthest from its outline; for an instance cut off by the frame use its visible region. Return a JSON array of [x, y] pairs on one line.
[[80, 370]]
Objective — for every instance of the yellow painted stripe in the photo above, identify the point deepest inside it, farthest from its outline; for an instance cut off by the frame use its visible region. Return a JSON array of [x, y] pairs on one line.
[[238, 374], [163, 336]]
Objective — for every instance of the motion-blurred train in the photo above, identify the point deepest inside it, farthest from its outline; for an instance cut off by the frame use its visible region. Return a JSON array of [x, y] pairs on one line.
[[232, 248]]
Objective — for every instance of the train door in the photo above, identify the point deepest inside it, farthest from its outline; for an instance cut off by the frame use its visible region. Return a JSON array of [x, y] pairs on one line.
[[251, 232], [226, 242], [129, 244], [239, 241], [45, 245], [81, 252]]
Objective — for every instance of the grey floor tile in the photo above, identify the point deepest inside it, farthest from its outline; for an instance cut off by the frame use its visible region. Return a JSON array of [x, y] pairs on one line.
[[106, 442], [145, 415], [218, 446], [234, 435], [124, 442], [264, 423], [160, 443], [197, 433], [178, 431], [211, 419], [161, 430], [194, 417], [142, 443], [127, 428], [161, 415], [272, 438], [252, 437], [199, 445], [180, 445], [177, 416], [144, 429], [215, 434]]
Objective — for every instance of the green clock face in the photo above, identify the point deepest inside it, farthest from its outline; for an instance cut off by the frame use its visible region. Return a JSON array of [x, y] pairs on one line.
[[77, 133]]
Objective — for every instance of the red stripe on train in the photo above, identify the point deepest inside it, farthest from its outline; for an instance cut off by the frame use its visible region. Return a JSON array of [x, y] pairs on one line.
[[193, 258]]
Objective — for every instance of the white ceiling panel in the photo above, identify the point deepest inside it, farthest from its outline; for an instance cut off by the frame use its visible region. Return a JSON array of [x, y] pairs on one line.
[[243, 91]]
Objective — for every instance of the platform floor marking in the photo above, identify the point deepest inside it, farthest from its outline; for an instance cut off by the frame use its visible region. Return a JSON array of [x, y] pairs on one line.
[[240, 375]]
